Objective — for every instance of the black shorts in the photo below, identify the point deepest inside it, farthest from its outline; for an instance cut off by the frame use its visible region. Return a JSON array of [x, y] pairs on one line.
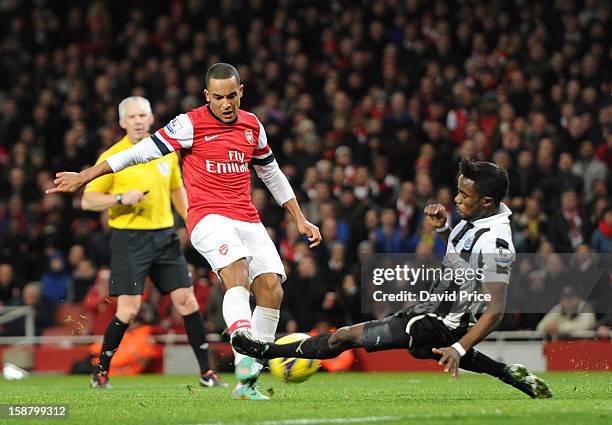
[[136, 254], [426, 331]]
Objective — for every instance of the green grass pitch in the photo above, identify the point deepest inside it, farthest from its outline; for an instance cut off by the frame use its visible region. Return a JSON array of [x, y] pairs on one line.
[[353, 398]]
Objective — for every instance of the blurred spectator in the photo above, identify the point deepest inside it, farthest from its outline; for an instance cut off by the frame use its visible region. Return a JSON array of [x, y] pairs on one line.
[[44, 311], [9, 288], [388, 236], [82, 279], [425, 234], [593, 281], [571, 314], [529, 226], [567, 228], [304, 295], [56, 279], [601, 240], [563, 179], [589, 167]]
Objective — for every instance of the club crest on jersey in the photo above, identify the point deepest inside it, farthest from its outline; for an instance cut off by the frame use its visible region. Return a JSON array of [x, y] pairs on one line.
[[173, 126], [468, 242], [164, 168], [248, 134], [223, 249]]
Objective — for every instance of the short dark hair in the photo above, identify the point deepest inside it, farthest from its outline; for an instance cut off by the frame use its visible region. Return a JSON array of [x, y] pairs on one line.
[[489, 179], [221, 71]]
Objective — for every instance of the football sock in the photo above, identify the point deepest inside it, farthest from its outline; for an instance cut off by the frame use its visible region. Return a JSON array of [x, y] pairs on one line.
[[237, 312], [236, 309], [194, 327], [112, 338], [316, 347], [475, 361], [264, 323]]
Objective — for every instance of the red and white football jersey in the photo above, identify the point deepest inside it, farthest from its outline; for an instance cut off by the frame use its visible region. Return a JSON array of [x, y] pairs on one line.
[[216, 159]]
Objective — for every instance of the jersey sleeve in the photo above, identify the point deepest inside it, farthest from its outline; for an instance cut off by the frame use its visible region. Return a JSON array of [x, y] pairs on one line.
[[176, 180], [176, 135], [262, 155], [496, 258], [102, 184]]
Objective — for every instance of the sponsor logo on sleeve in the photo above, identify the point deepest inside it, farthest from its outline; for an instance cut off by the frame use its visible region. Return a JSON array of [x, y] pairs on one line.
[[503, 257], [173, 126]]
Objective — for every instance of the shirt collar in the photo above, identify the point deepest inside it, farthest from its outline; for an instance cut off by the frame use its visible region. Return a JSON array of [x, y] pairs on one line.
[[503, 217]]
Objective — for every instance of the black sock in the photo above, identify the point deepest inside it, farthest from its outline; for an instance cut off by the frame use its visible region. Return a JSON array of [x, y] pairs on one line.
[[475, 361], [112, 339], [316, 347], [194, 326]]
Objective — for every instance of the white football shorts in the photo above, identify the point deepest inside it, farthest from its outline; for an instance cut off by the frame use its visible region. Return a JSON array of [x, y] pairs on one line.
[[223, 240]]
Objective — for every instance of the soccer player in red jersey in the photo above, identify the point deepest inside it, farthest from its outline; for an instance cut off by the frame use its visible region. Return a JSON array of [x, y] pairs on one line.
[[217, 142]]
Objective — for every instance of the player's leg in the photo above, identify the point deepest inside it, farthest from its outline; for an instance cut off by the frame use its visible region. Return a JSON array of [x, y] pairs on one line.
[[127, 309], [186, 304], [131, 257], [237, 315], [375, 335], [170, 274], [429, 332], [216, 238], [266, 274], [268, 293]]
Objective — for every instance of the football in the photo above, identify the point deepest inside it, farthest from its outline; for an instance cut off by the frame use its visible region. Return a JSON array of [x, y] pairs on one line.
[[292, 369]]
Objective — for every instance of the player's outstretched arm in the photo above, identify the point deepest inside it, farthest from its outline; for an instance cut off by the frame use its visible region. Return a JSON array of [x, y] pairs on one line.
[[436, 213], [68, 182], [483, 327], [144, 151]]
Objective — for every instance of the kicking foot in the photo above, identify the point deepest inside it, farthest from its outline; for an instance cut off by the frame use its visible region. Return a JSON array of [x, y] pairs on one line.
[[244, 343], [99, 380], [524, 380], [247, 392], [211, 379]]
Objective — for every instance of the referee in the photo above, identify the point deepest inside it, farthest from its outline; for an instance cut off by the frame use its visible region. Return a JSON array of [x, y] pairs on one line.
[[143, 242]]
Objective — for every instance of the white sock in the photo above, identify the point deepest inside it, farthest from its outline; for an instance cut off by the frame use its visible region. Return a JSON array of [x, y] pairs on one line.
[[237, 312], [264, 323], [236, 309]]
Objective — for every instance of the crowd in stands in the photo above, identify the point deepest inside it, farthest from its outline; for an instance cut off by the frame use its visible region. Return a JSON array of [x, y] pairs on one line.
[[369, 106]]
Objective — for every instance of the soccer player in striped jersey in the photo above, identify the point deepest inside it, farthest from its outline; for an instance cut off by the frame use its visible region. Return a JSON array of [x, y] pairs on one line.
[[446, 330], [218, 142]]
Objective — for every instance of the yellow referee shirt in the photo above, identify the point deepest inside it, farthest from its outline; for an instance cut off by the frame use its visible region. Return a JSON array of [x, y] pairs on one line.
[[159, 177]]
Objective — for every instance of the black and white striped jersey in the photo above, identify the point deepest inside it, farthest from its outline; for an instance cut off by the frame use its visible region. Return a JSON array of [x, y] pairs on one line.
[[483, 246]]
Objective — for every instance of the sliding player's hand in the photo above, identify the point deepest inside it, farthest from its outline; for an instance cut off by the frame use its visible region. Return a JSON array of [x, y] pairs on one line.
[[450, 359], [305, 227], [66, 182]]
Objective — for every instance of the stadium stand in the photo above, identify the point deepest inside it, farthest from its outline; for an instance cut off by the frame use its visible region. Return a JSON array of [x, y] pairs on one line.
[[369, 107]]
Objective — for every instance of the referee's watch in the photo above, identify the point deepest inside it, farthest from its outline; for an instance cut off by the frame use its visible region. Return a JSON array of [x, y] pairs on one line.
[[118, 198]]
